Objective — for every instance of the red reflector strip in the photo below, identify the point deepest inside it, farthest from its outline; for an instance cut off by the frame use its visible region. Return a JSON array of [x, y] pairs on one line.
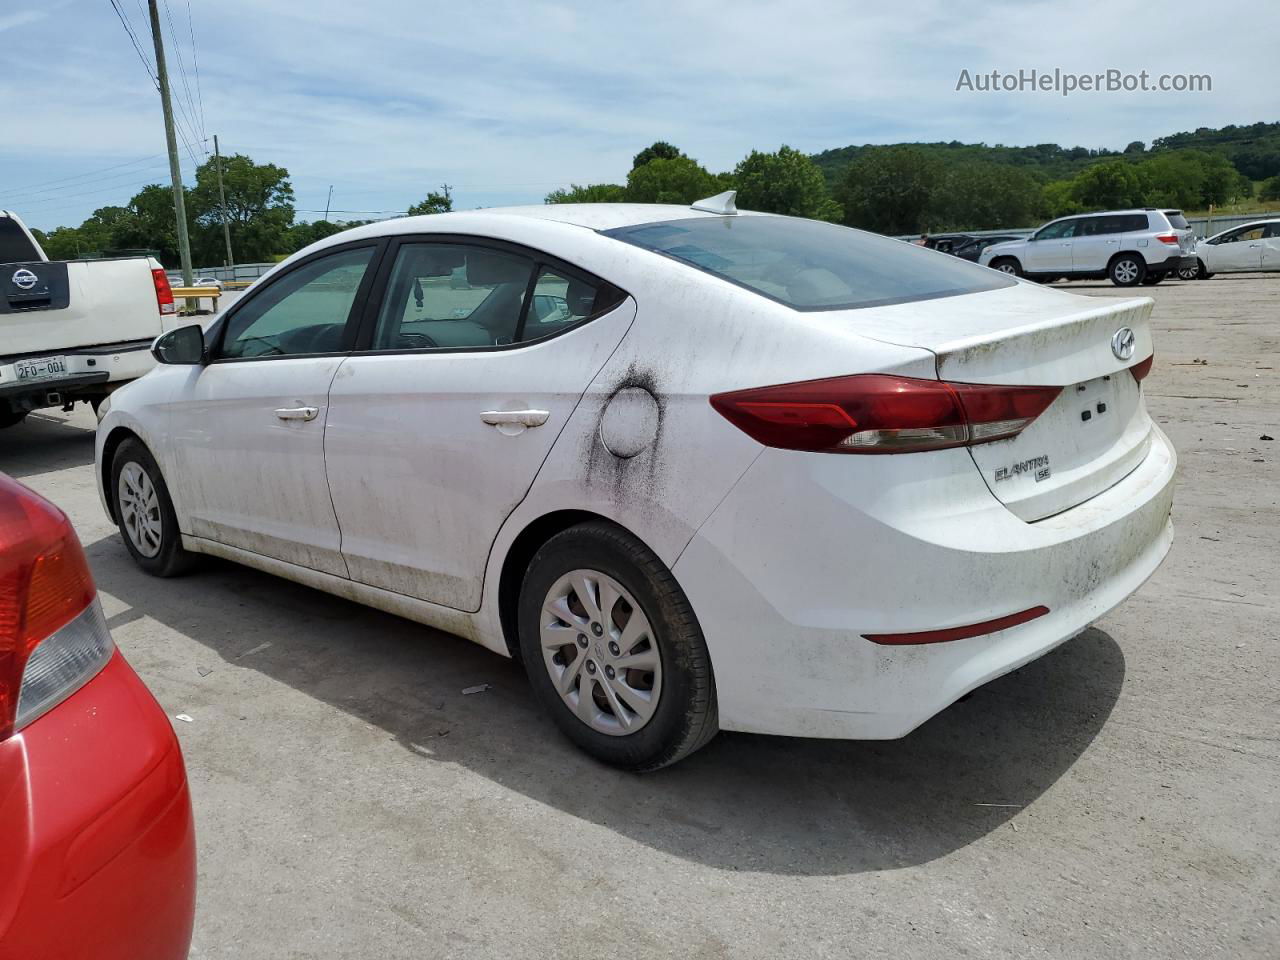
[[957, 633]]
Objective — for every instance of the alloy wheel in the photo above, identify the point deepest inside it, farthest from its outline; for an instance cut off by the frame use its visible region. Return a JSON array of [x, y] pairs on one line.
[[140, 510], [600, 652], [1125, 271]]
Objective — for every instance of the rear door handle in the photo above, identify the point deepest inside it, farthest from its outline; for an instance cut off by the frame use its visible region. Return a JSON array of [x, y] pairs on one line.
[[525, 418], [298, 413]]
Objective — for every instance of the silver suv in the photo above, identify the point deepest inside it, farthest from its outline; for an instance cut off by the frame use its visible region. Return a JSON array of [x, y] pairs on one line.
[[1127, 246]]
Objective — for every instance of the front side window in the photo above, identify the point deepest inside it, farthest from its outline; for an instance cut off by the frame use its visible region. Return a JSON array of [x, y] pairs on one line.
[[1057, 231], [452, 295], [305, 311], [808, 264]]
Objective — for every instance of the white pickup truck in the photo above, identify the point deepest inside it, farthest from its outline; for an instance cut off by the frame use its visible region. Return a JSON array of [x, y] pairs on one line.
[[73, 330]]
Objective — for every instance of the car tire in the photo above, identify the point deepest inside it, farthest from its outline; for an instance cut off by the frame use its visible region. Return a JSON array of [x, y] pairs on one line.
[[144, 512], [1007, 265], [1202, 273], [1189, 273], [1127, 270], [661, 659], [11, 418], [1151, 279]]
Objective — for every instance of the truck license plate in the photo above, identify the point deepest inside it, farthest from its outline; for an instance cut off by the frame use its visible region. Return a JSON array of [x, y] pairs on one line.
[[41, 368]]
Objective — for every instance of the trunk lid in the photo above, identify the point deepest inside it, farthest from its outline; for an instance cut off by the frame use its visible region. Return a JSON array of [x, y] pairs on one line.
[[51, 306], [1091, 436]]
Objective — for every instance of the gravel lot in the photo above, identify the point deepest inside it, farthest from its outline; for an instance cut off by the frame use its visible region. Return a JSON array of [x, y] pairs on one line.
[[1118, 798]]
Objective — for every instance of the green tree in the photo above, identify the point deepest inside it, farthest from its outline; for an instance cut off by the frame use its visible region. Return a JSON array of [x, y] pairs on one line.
[[670, 180], [978, 195], [661, 150], [441, 202], [591, 193], [1059, 201], [1270, 189], [259, 210], [304, 234], [786, 182], [1108, 186], [890, 189]]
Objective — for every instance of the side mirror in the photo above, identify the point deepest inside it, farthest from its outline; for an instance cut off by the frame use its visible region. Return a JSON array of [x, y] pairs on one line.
[[184, 345]]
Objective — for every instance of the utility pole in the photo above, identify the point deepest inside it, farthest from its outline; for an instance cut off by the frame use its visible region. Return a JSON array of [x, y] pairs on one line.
[[175, 170], [327, 203], [222, 202]]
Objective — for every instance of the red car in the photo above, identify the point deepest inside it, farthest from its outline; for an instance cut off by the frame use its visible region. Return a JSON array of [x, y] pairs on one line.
[[97, 850]]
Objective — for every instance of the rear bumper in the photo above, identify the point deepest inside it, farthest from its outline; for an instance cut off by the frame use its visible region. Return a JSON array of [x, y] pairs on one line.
[[96, 833], [1174, 261], [88, 368], [809, 552]]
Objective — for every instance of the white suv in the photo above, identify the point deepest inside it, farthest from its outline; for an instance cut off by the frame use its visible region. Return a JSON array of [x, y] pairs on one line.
[[1127, 246]]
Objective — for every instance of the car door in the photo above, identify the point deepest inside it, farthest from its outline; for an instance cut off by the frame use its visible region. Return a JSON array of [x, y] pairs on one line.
[[470, 363], [1096, 240], [1271, 247], [247, 428], [1049, 249], [1239, 250]]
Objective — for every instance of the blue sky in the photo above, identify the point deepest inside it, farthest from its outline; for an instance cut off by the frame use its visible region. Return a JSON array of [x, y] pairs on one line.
[[387, 99]]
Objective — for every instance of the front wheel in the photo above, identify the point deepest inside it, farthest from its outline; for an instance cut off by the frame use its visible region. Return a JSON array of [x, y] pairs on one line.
[[1127, 270], [144, 512], [1007, 265], [613, 649], [1189, 273], [1202, 272]]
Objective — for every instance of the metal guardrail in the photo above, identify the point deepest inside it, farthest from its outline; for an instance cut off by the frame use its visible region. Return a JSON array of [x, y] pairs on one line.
[[201, 293]]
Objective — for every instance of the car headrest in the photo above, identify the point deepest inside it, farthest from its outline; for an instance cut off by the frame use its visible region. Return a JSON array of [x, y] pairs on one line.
[[580, 298], [439, 262], [485, 269]]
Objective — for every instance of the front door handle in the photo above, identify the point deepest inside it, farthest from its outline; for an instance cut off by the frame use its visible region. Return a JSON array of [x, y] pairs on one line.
[[298, 413], [524, 418]]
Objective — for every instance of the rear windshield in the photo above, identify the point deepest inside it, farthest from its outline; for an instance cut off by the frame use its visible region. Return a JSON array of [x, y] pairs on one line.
[[15, 247], [810, 265], [1176, 219]]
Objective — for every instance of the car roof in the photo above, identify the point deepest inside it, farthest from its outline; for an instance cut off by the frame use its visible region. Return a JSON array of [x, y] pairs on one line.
[[594, 216]]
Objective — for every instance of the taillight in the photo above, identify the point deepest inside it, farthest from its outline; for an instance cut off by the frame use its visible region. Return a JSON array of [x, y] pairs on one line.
[[52, 634], [164, 292], [1169, 238], [1140, 370], [881, 413]]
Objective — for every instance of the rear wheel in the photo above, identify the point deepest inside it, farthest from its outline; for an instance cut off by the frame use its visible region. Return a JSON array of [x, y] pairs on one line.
[[613, 650], [11, 418], [144, 512], [1007, 265], [1127, 270]]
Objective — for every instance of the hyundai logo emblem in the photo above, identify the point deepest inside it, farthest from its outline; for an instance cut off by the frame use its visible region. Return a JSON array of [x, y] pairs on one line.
[[24, 279], [1123, 342]]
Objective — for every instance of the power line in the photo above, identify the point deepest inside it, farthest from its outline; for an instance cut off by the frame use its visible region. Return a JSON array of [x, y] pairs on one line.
[[133, 38], [79, 176], [97, 190], [195, 60], [182, 73], [110, 179]]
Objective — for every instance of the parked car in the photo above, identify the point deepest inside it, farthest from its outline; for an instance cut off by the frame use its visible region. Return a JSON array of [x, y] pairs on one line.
[[744, 463], [96, 836], [73, 330], [1128, 247], [1251, 248]]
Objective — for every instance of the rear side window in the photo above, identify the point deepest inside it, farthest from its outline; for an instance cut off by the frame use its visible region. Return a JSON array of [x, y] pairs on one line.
[[1176, 219], [810, 265], [15, 246]]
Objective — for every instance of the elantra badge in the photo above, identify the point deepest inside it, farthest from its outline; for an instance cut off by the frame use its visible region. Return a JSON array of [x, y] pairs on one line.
[[24, 279], [1123, 342]]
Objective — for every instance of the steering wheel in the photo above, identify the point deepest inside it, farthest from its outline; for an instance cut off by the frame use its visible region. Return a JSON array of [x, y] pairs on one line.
[[416, 340]]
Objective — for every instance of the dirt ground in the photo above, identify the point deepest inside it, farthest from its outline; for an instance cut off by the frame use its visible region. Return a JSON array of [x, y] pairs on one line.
[[1117, 798]]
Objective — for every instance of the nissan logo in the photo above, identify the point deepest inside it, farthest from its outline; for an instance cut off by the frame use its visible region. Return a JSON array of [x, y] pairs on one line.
[[1122, 343], [24, 279]]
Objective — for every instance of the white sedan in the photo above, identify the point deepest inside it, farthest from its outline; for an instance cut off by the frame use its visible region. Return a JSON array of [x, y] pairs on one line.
[[1251, 248], [698, 469]]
